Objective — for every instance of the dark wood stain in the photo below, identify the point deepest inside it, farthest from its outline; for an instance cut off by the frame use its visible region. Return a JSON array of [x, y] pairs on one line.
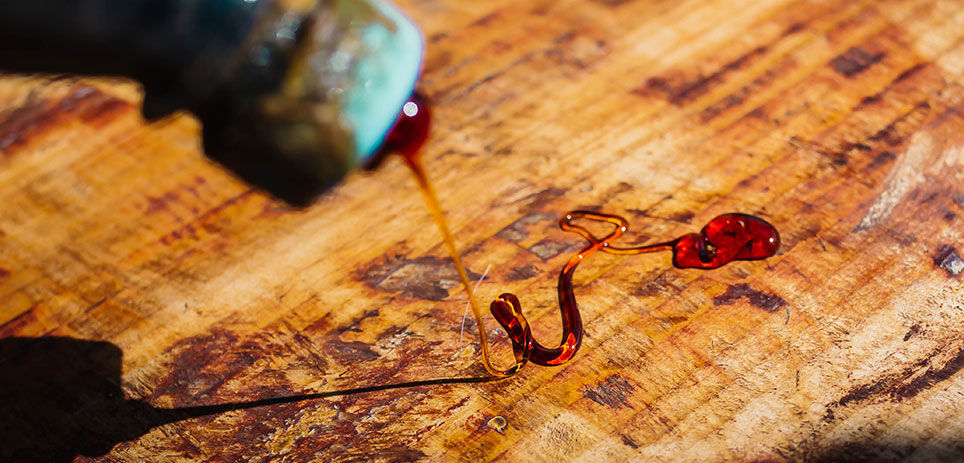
[[400, 454], [903, 239], [518, 231], [535, 200], [766, 301], [425, 277], [354, 325], [680, 89], [564, 37], [349, 352], [484, 20], [930, 378], [95, 305], [911, 72], [929, 198], [86, 103], [793, 29], [579, 52], [866, 391], [611, 392], [738, 97], [160, 203], [731, 101], [880, 96], [201, 364], [867, 101], [16, 324], [661, 285], [682, 217], [629, 442], [758, 113], [958, 199], [648, 290], [913, 331], [612, 3], [523, 272], [890, 133], [903, 385], [380, 268], [854, 61], [548, 248], [394, 331], [881, 160], [308, 351]]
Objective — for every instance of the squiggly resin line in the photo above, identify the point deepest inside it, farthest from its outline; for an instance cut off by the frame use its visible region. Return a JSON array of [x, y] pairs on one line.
[[507, 309], [725, 238]]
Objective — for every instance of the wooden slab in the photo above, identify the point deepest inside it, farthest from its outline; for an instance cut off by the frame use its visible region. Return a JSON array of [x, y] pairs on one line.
[[137, 275]]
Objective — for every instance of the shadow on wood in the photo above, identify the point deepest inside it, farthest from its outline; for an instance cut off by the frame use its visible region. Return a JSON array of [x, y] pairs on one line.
[[62, 397], [896, 451]]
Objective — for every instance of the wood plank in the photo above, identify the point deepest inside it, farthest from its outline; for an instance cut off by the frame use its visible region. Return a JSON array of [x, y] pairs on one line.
[[131, 267]]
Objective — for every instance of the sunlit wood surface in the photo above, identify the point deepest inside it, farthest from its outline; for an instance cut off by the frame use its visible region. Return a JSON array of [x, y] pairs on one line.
[[839, 122]]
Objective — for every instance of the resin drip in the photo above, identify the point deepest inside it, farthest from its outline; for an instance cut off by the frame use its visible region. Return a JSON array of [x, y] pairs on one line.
[[406, 138]]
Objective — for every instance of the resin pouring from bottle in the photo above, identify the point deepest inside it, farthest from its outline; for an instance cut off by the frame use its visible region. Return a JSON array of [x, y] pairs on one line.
[[287, 91]]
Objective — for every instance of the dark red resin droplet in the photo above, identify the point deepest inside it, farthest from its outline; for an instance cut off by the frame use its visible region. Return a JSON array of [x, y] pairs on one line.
[[410, 131], [726, 238]]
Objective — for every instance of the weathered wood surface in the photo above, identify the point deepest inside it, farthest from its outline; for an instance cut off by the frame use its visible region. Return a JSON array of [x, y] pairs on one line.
[[840, 122]]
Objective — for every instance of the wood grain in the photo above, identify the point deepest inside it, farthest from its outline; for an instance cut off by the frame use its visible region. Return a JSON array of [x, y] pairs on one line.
[[839, 122]]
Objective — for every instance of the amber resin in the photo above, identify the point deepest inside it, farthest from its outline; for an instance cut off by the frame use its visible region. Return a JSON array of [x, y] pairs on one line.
[[726, 238]]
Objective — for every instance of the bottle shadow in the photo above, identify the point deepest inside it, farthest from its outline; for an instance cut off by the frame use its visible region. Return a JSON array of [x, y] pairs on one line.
[[62, 397]]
